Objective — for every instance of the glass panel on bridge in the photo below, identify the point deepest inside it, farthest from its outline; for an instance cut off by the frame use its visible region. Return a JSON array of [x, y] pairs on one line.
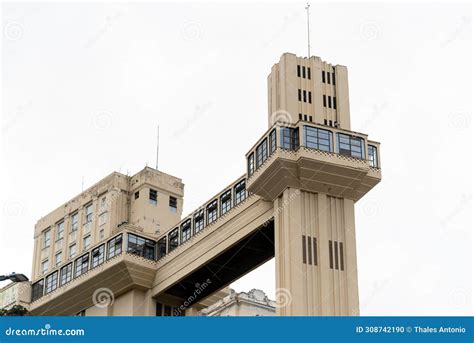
[[372, 152], [186, 231], [98, 256], [240, 192], [114, 247], [66, 274], [173, 240], [290, 138], [316, 138], [262, 152], [350, 146]]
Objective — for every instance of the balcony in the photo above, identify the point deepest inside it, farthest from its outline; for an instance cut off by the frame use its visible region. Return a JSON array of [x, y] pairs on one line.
[[315, 158]]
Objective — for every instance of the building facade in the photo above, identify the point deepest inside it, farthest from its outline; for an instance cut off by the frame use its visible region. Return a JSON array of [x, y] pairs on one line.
[[122, 247], [254, 303]]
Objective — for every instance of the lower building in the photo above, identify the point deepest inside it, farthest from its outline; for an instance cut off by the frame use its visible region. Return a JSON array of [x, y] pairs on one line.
[[249, 304]]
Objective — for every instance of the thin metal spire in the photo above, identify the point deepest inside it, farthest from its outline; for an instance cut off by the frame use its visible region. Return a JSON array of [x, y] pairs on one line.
[[307, 18], [157, 146]]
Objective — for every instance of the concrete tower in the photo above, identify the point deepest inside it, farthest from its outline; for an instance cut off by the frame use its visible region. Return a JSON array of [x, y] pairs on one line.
[[318, 170]]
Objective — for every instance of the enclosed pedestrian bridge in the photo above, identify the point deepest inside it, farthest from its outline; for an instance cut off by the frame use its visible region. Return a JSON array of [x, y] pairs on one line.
[[229, 235]]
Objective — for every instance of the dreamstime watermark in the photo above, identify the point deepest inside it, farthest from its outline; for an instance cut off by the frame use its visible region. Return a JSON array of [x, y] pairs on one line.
[[371, 208], [13, 31], [458, 297], [103, 297], [102, 120], [370, 30], [281, 117], [191, 31], [287, 22], [13, 209], [283, 298], [109, 20], [192, 298], [466, 199], [465, 22], [283, 205], [460, 120], [199, 112]]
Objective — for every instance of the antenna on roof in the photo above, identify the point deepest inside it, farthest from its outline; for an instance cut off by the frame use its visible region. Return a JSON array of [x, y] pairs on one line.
[[157, 145], [307, 19]]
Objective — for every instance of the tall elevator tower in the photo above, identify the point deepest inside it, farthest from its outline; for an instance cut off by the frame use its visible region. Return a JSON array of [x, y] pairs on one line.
[[316, 170]]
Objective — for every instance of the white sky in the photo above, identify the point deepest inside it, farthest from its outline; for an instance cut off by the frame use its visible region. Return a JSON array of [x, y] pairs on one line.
[[84, 85]]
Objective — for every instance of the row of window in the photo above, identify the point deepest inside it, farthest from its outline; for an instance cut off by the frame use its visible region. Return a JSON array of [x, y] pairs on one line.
[[74, 269], [153, 199], [326, 77], [327, 102], [201, 218], [301, 72], [336, 255], [304, 96], [305, 117], [314, 138], [310, 253]]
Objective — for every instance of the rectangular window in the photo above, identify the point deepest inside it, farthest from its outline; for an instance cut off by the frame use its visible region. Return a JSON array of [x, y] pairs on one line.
[[74, 222], [72, 250], [324, 100], [141, 246], [137, 195], [240, 192], [46, 238], [330, 255], [299, 94], [211, 212], [262, 152], [37, 290], [273, 141], [86, 242], [51, 282], [102, 218], [250, 164], [114, 247], [372, 152], [101, 234], [304, 96], [304, 72], [336, 256], [173, 204], [334, 78], [60, 230], [58, 259], [199, 221], [81, 265], [88, 213], [350, 146], [342, 255], [44, 266], [186, 231], [334, 102], [65, 274], [298, 70], [98, 256], [226, 202], [289, 138], [161, 247], [309, 97], [304, 249], [328, 77], [153, 197], [316, 138], [173, 239], [329, 102], [309, 73], [323, 76], [315, 251]]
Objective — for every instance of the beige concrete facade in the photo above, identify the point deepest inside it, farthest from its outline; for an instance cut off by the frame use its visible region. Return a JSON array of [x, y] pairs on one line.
[[295, 203], [254, 303]]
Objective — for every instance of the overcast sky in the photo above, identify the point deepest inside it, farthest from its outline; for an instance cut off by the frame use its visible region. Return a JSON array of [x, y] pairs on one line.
[[84, 86]]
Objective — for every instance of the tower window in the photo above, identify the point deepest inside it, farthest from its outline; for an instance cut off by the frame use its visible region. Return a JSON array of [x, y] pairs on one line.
[[330, 255], [46, 238], [289, 138], [262, 152], [323, 74], [334, 78], [299, 94], [304, 72], [273, 140], [153, 197], [350, 146], [298, 70], [324, 100], [316, 138], [329, 101], [309, 97], [334, 102], [137, 195], [309, 73], [304, 96], [173, 204], [328, 77]]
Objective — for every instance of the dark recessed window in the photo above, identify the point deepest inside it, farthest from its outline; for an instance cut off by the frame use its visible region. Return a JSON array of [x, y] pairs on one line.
[[304, 96], [299, 94], [334, 78], [334, 102], [273, 140], [173, 204], [153, 197], [298, 70], [323, 76], [226, 202], [186, 231], [114, 247], [310, 118], [141, 246], [262, 152], [173, 239], [309, 97], [300, 116], [324, 100], [304, 72], [240, 192], [316, 138], [211, 212], [329, 101], [350, 146], [328, 77], [37, 290], [289, 138], [309, 73], [305, 117], [161, 247], [137, 195]]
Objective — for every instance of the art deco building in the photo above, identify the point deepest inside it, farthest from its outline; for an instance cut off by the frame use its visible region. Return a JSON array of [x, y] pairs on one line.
[[122, 247]]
